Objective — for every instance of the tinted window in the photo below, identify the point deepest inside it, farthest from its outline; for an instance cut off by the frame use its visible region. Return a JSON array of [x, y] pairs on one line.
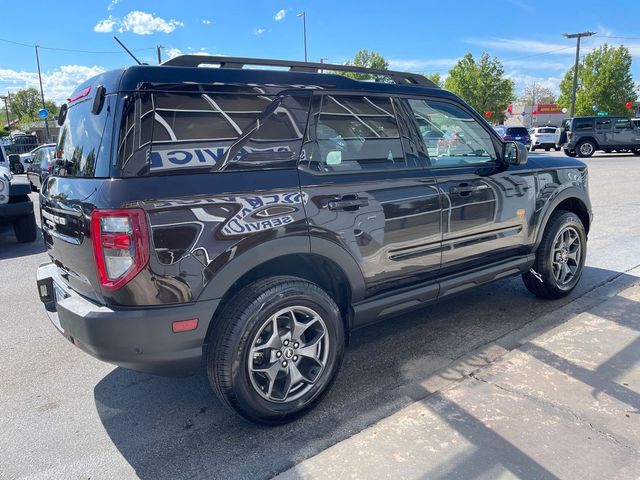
[[453, 137], [603, 123], [177, 132], [356, 133], [546, 130], [517, 131], [622, 123], [79, 145], [581, 124]]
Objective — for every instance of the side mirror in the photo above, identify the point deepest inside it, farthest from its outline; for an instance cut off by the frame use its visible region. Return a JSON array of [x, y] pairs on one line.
[[514, 153]]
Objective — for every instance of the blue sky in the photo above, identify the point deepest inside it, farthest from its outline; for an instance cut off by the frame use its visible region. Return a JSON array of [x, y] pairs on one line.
[[423, 36]]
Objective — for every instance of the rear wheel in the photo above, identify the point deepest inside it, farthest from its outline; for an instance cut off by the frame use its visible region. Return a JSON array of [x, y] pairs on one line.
[[25, 229], [586, 148], [276, 349], [557, 149], [560, 257], [607, 150], [547, 149], [636, 152], [532, 148]]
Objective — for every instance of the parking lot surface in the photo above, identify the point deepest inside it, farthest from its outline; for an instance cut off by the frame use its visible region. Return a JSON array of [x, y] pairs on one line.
[[64, 414]]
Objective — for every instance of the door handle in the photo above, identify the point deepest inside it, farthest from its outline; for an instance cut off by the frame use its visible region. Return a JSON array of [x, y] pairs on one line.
[[467, 189], [348, 203]]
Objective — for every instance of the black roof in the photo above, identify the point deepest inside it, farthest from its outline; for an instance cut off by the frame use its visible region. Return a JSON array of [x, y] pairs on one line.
[[186, 69]]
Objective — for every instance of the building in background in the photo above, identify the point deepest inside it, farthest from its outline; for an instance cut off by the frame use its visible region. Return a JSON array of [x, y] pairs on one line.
[[545, 114]]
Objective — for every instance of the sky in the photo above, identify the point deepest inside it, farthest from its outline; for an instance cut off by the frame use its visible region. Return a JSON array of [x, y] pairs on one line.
[[76, 37]]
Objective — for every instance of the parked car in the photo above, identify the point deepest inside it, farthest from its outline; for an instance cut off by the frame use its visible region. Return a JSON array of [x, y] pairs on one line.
[[26, 159], [543, 137], [516, 134], [252, 219], [16, 208], [21, 143], [41, 166], [583, 136]]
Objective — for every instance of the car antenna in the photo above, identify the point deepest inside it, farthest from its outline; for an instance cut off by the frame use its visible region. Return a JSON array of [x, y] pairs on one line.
[[127, 50]]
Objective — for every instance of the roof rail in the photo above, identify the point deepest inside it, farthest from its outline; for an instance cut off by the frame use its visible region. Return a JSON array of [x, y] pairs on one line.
[[402, 78]]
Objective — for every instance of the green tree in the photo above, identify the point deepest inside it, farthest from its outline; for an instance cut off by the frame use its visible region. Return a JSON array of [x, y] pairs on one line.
[[482, 84], [25, 104], [604, 79], [435, 78], [367, 59]]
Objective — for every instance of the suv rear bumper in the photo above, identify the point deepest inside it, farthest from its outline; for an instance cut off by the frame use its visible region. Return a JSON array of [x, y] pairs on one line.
[[136, 338]]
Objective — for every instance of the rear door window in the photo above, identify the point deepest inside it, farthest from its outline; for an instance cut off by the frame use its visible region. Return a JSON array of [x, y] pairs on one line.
[[622, 123], [603, 123]]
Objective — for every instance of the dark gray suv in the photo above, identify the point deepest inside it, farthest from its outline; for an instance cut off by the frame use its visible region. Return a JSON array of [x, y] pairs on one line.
[[582, 136]]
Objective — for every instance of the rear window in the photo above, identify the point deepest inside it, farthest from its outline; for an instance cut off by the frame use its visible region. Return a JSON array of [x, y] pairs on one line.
[[546, 130], [79, 144], [581, 124], [517, 131]]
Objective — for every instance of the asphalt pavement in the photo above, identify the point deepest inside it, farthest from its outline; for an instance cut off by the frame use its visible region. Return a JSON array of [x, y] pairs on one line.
[[64, 414]]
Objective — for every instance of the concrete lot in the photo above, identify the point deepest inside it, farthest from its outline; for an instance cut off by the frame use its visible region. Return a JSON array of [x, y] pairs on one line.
[[64, 414]]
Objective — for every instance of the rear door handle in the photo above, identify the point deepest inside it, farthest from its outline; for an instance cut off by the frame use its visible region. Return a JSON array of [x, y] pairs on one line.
[[467, 189], [348, 203]]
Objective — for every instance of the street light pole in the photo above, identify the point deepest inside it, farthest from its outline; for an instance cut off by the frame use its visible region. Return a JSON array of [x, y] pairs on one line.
[[158, 48], [46, 121], [7, 104], [577, 36], [304, 30]]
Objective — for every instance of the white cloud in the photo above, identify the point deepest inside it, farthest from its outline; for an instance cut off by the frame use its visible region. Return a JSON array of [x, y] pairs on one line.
[[206, 22], [524, 47], [140, 23], [422, 65], [57, 84], [112, 4], [173, 52], [259, 31], [106, 25], [280, 15]]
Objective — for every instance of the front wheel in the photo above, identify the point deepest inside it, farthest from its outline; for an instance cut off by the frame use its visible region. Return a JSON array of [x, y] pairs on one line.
[[275, 349], [25, 229], [560, 257]]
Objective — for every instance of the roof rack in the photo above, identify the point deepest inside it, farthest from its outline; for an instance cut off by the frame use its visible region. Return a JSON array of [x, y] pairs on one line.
[[402, 78]]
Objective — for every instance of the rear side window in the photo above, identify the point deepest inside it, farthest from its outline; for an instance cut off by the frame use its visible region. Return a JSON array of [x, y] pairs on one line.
[[79, 144], [356, 133], [177, 132], [603, 123], [581, 124]]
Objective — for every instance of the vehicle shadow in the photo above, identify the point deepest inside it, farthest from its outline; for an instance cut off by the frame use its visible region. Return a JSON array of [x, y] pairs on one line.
[[176, 428], [11, 248]]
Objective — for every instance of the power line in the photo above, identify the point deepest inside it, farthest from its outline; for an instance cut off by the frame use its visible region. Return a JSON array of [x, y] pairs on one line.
[[614, 36], [71, 50]]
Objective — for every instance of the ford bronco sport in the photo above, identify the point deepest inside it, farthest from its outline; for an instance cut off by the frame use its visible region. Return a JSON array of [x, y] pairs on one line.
[[251, 219]]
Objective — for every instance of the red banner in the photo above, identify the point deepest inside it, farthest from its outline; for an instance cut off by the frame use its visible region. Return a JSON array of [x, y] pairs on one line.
[[548, 108]]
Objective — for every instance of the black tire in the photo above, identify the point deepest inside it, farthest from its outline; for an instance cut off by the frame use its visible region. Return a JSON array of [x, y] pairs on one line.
[[532, 149], [547, 149], [19, 169], [607, 150], [547, 286], [231, 341], [26, 229], [569, 153], [557, 149], [586, 148], [636, 152]]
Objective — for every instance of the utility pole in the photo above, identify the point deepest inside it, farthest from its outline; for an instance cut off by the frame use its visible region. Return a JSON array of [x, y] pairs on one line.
[[533, 103], [159, 49], [304, 30], [7, 105], [46, 120], [577, 36]]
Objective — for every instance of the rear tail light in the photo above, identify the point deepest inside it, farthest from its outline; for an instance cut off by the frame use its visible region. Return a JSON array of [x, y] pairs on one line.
[[49, 168], [120, 245], [508, 137]]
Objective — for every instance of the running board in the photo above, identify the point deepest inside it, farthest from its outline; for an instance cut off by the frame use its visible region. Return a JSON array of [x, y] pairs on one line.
[[383, 306]]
